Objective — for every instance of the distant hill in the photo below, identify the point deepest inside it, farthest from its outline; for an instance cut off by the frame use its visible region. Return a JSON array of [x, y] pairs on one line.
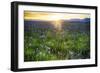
[[72, 24], [77, 24], [28, 24], [85, 20]]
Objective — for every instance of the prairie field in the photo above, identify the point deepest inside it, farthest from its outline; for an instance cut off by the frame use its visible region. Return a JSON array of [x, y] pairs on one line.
[[66, 41]]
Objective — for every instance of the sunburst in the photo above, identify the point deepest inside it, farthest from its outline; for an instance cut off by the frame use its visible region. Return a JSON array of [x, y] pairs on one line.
[[56, 21]]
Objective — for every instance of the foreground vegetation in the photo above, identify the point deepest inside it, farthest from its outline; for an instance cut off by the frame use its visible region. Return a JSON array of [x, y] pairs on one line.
[[48, 44]]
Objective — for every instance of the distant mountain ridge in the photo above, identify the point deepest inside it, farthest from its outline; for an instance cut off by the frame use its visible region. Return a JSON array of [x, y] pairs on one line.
[[79, 20], [70, 20]]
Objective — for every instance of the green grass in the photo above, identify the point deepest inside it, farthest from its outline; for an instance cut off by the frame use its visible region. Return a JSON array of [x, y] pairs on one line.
[[56, 45]]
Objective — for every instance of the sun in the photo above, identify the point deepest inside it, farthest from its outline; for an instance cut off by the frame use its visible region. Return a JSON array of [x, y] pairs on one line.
[[57, 21], [55, 17]]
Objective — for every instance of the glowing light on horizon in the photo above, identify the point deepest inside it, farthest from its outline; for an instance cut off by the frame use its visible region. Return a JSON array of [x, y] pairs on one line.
[[57, 24], [56, 21]]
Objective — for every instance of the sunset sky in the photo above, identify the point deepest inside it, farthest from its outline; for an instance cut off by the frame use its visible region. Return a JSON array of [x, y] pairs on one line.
[[49, 16]]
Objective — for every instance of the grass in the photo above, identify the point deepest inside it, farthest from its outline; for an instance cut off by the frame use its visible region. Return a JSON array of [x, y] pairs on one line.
[[56, 45]]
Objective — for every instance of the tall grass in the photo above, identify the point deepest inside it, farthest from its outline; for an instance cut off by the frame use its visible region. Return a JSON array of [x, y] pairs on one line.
[[56, 45]]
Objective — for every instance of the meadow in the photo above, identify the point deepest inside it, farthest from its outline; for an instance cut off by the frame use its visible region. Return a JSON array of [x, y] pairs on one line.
[[44, 44]]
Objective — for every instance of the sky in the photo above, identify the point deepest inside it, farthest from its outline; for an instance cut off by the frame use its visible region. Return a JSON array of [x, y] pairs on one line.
[[50, 16]]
